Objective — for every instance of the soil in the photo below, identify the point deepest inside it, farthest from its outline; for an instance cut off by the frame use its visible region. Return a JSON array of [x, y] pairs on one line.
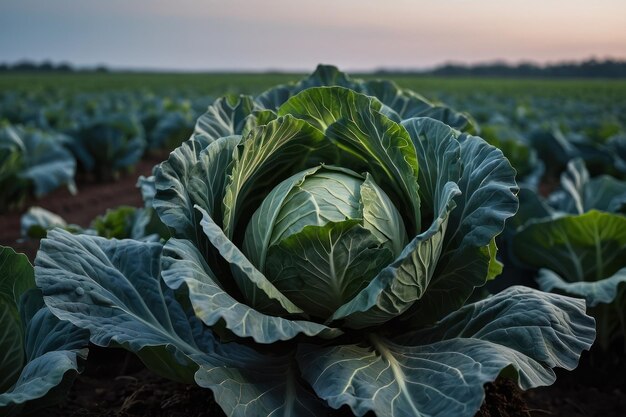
[[115, 384]]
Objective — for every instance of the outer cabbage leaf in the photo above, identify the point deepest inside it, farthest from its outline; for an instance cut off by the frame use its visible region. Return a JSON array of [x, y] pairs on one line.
[[17, 274], [225, 117], [11, 343], [55, 351], [36, 222], [182, 263], [42, 161], [48, 164], [487, 200], [256, 385], [531, 206], [399, 104], [439, 155], [594, 292], [323, 76], [514, 146], [587, 247], [256, 288], [112, 288], [16, 277], [106, 145], [440, 371], [195, 173], [40, 354], [406, 104], [580, 193]]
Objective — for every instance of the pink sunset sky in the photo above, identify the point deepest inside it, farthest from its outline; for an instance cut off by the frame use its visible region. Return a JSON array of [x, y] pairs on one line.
[[296, 35]]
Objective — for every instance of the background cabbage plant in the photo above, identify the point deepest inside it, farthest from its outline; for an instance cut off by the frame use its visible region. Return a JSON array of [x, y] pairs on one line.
[[576, 239], [326, 236], [32, 160]]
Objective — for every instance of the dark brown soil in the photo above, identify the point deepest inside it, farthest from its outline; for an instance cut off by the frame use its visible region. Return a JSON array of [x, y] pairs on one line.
[[115, 384], [596, 388]]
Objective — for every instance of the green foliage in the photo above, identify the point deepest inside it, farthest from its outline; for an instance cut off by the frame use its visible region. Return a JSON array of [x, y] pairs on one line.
[[32, 160], [577, 242], [40, 354], [331, 231]]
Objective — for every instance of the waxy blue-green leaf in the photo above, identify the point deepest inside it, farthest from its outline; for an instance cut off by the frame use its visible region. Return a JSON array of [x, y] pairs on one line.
[[182, 263], [440, 371], [109, 143], [398, 103], [586, 247], [55, 352], [16, 277], [368, 141], [531, 206], [17, 274], [408, 104], [323, 76], [439, 156], [320, 268], [257, 290], [225, 117], [275, 96], [255, 385], [111, 288], [405, 103], [580, 193], [487, 200], [514, 145], [37, 157], [12, 356], [195, 173], [49, 164], [268, 155], [257, 118], [603, 291], [39, 354]]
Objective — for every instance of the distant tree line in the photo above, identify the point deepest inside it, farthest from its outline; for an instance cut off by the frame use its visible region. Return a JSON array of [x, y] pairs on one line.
[[591, 68], [47, 66]]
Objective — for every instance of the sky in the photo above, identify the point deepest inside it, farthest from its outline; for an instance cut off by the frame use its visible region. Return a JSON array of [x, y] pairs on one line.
[[197, 35]]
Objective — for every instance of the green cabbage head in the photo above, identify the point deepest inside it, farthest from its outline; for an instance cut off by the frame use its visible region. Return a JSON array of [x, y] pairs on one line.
[[326, 236]]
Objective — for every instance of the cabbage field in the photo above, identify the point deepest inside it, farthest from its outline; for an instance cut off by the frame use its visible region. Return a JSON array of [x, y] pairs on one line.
[[324, 244]]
